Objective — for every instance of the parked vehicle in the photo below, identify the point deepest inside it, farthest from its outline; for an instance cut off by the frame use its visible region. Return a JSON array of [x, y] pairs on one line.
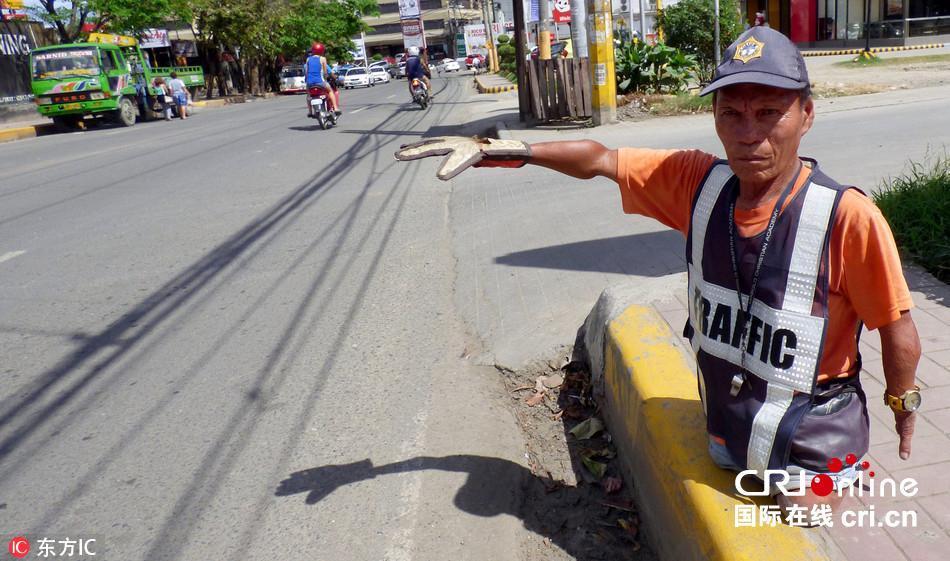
[[320, 108], [357, 77], [106, 77], [378, 74], [293, 79], [450, 65], [474, 60], [401, 73], [420, 94]]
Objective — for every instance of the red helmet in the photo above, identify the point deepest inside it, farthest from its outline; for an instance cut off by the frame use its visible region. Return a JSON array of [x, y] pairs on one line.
[[318, 49]]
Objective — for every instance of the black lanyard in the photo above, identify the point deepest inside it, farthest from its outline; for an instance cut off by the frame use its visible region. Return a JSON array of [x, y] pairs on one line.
[[747, 313]]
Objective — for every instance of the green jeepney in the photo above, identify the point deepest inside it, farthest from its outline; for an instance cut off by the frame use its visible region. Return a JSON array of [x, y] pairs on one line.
[[107, 77]]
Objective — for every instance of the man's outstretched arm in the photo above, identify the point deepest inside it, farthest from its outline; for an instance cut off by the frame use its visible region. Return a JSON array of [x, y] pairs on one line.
[[578, 158], [583, 159]]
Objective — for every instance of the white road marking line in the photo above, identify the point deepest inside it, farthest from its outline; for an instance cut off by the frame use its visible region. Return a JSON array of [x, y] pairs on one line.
[[10, 255], [358, 110], [392, 96]]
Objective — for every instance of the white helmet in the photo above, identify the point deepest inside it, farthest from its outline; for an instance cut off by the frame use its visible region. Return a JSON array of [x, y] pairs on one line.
[[413, 51]]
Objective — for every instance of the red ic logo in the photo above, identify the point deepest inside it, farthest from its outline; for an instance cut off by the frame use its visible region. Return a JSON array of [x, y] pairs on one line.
[[19, 547]]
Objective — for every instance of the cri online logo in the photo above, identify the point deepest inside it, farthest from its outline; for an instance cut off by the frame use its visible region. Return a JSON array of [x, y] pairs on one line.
[[19, 547], [821, 484]]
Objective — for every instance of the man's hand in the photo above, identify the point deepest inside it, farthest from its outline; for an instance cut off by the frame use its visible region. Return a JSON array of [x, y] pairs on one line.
[[904, 425], [464, 152], [900, 350]]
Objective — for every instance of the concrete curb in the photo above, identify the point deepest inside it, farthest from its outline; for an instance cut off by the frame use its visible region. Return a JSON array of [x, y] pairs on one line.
[[653, 412], [19, 133], [482, 88], [874, 50]]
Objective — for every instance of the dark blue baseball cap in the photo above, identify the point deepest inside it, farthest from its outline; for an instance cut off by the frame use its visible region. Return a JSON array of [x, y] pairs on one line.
[[764, 56]]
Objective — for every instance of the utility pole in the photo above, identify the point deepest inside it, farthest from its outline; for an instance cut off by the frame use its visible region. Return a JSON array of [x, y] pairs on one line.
[[643, 20], [604, 81], [578, 27], [544, 31], [521, 42], [716, 54], [492, 58]]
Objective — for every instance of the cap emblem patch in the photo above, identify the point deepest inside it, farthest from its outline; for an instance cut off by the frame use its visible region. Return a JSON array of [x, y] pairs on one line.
[[748, 50]]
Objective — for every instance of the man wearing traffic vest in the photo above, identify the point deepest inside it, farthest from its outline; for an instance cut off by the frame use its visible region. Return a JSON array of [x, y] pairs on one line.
[[784, 264]]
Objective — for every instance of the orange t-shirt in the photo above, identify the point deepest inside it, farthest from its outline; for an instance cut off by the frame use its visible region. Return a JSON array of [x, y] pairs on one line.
[[661, 184]]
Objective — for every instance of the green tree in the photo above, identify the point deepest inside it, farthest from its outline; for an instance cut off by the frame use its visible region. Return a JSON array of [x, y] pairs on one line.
[[329, 22], [689, 25], [507, 56], [127, 16]]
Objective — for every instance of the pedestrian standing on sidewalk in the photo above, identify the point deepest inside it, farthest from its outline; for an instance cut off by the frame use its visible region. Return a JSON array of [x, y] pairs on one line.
[[785, 266], [180, 95], [164, 97]]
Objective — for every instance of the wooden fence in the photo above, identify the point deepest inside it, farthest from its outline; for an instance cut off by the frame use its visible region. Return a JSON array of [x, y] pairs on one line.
[[559, 88]]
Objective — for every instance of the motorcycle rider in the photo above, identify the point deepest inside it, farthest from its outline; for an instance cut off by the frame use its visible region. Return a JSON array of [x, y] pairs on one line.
[[416, 67], [318, 76]]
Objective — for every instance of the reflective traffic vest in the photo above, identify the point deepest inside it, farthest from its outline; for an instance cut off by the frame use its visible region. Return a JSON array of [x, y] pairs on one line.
[[788, 318]]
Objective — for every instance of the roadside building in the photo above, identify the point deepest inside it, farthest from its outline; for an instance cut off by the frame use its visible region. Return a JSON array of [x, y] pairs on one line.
[[844, 23], [442, 20]]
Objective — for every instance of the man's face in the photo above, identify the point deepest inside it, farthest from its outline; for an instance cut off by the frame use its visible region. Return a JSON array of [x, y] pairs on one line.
[[760, 128]]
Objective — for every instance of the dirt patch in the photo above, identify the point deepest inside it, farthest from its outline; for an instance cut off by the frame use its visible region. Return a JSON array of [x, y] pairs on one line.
[[637, 107], [825, 90], [577, 495], [893, 73]]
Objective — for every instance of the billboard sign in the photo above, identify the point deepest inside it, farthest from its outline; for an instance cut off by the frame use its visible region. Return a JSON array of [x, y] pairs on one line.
[[409, 9], [413, 33], [155, 39]]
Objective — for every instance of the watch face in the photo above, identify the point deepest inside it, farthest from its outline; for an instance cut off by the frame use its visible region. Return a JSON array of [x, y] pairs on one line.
[[912, 401]]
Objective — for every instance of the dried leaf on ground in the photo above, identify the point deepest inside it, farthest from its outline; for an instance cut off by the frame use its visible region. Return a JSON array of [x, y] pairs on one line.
[[587, 429], [552, 381], [597, 469], [535, 399], [606, 452], [576, 411], [625, 505], [631, 528]]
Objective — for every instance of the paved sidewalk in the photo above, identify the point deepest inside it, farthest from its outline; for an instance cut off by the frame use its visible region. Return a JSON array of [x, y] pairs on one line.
[[535, 250]]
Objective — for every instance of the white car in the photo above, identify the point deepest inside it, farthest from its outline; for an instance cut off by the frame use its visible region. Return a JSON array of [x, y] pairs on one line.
[[379, 74], [292, 79], [357, 77], [450, 65]]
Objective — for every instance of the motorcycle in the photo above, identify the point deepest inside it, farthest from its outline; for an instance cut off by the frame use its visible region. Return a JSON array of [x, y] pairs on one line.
[[420, 94], [320, 108]]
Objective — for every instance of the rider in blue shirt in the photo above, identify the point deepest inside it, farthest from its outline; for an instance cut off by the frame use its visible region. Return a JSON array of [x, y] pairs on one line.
[[318, 76], [416, 67]]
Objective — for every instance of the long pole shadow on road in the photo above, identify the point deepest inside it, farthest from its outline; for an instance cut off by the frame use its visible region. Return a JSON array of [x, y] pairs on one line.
[[61, 385], [491, 488], [645, 254]]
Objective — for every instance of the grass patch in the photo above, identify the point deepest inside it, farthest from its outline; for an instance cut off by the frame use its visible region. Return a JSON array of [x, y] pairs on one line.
[[917, 206], [679, 104], [894, 61]]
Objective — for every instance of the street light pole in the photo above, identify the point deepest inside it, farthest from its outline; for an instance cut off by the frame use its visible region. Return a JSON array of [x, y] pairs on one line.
[[716, 41]]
